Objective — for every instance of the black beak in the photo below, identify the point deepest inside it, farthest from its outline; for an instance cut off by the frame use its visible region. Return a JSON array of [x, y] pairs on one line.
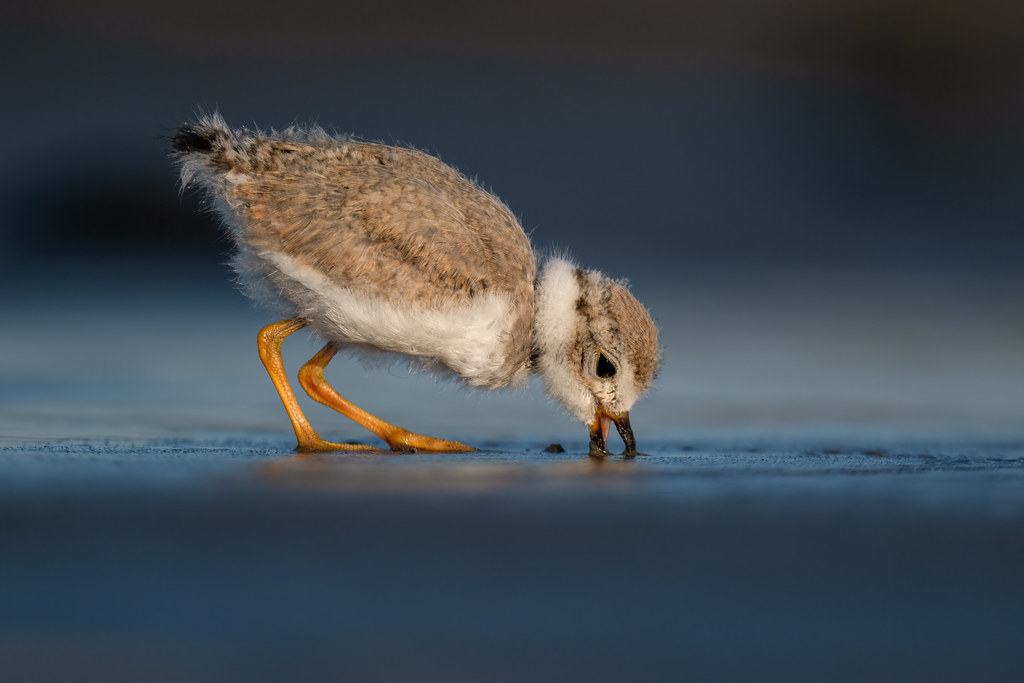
[[599, 431]]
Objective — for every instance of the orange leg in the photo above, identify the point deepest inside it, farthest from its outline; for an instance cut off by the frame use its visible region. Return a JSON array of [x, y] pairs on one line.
[[270, 339], [311, 376]]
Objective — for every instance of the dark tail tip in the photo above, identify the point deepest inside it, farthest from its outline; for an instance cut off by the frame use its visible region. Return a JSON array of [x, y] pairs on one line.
[[193, 138]]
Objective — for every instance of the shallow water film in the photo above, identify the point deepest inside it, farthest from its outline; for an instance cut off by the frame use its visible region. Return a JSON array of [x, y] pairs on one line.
[[225, 558]]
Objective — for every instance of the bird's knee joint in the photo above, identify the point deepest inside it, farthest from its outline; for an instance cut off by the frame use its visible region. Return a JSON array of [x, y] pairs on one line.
[[310, 376]]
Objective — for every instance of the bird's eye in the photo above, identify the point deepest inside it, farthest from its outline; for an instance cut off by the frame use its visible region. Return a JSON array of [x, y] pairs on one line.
[[605, 368]]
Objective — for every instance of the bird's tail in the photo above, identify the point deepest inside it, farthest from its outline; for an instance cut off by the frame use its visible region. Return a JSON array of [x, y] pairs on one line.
[[203, 136], [206, 148]]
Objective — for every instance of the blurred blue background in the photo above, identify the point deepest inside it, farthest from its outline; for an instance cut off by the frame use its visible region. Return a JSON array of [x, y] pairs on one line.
[[819, 202]]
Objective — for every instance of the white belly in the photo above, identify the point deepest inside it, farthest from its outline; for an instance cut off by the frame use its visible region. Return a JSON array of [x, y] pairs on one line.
[[470, 339]]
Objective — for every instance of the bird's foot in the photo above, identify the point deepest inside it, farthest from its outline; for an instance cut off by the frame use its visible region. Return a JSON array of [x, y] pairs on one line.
[[410, 442], [315, 444]]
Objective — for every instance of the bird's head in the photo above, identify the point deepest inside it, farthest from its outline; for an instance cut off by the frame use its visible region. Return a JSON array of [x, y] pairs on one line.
[[597, 348]]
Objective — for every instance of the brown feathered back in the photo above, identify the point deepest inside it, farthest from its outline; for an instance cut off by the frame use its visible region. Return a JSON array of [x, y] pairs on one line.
[[392, 223]]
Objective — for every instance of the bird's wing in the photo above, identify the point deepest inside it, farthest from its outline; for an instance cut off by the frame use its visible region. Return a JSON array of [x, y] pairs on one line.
[[409, 225]]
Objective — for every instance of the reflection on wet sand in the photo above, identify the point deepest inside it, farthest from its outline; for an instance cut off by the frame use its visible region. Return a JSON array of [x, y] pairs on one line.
[[374, 471]]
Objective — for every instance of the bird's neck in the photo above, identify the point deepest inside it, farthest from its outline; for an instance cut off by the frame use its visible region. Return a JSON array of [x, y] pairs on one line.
[[554, 327]]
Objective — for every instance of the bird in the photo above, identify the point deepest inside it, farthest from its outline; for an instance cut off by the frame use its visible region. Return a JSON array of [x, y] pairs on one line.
[[386, 249]]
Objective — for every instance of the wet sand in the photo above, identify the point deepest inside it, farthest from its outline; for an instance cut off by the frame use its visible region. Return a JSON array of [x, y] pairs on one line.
[[232, 559]]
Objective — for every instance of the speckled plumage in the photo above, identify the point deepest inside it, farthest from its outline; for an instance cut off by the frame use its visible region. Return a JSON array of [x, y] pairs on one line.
[[390, 223], [389, 248]]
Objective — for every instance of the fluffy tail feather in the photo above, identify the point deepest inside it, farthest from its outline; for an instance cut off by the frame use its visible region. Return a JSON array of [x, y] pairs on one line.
[[208, 135], [205, 149], [193, 137]]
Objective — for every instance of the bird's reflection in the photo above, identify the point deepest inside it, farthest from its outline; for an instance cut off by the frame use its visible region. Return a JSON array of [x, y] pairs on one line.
[[483, 470]]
